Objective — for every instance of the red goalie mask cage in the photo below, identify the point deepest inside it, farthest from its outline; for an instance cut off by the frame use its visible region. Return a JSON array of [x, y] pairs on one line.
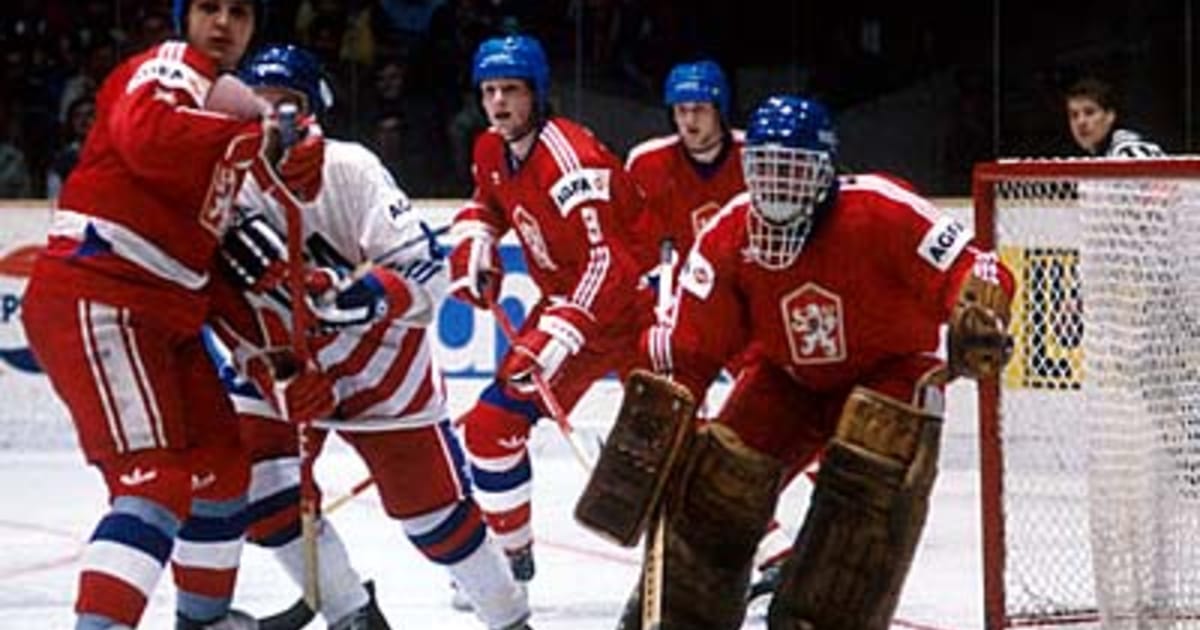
[[1090, 441]]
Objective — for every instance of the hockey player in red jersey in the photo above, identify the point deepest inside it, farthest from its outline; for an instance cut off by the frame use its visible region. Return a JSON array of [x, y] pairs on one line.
[[381, 276], [573, 207], [687, 176], [115, 304], [843, 283]]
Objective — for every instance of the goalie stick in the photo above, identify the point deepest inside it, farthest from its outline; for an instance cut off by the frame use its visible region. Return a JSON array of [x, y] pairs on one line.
[[652, 563]]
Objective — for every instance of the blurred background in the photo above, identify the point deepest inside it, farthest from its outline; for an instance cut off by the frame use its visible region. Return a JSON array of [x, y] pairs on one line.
[[920, 89]]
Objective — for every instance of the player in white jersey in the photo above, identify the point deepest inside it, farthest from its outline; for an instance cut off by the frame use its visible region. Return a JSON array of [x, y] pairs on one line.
[[375, 279]]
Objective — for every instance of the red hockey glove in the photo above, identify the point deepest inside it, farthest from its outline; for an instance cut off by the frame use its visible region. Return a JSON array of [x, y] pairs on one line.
[[309, 396], [338, 300], [543, 349], [301, 164], [534, 351], [475, 271]]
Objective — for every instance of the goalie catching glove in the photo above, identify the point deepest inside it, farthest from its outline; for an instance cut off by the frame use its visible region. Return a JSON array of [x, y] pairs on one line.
[[978, 342], [338, 300]]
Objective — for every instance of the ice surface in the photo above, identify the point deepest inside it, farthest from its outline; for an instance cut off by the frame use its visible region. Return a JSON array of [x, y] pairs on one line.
[[49, 502]]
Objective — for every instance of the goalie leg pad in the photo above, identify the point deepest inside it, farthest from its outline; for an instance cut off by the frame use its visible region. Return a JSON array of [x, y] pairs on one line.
[[864, 521], [724, 501], [652, 427]]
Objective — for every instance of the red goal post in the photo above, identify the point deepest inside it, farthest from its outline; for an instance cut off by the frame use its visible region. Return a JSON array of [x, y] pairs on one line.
[[1090, 443]]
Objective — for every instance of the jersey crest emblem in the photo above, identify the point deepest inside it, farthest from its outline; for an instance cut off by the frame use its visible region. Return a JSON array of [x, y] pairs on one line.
[[813, 323], [531, 236]]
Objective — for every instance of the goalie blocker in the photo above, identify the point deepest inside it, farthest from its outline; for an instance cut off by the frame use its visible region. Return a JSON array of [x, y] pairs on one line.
[[864, 521], [652, 428]]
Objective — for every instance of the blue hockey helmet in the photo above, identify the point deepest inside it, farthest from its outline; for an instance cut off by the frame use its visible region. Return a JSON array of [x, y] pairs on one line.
[[701, 82], [292, 68], [179, 10], [792, 121], [513, 57], [788, 162]]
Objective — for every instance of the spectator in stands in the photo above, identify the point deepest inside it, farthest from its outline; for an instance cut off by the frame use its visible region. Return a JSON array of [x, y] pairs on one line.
[[388, 144], [99, 58], [80, 115], [153, 27], [1092, 115], [15, 182]]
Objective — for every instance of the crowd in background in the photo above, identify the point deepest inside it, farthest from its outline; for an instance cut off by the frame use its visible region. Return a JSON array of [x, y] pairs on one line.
[[399, 69]]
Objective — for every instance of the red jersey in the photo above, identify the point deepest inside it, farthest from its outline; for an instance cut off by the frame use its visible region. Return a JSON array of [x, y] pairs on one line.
[[876, 280], [682, 194], [573, 208], [141, 214]]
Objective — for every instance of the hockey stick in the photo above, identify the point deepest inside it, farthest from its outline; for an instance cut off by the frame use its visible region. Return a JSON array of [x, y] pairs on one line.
[[653, 554], [274, 187], [299, 614], [547, 395], [354, 491]]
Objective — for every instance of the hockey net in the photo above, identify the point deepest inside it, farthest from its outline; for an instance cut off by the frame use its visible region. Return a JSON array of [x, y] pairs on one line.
[[1090, 441]]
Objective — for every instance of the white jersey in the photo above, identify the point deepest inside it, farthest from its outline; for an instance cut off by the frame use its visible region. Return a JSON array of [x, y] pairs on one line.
[[385, 373]]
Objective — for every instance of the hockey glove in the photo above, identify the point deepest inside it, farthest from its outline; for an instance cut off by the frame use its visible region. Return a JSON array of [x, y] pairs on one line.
[[309, 396], [978, 343], [475, 271], [301, 164], [543, 349], [254, 253], [338, 300]]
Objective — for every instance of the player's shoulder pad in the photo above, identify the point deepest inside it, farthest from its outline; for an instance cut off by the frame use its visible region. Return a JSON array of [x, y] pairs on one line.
[[174, 65], [344, 154], [943, 237], [350, 165], [579, 186], [649, 147], [942, 243], [585, 168], [488, 148]]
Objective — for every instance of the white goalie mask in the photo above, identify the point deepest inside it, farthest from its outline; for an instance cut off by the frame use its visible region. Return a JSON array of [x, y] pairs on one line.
[[788, 166]]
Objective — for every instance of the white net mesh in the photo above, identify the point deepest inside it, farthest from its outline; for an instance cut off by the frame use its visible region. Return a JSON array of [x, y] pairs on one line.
[[1100, 433]]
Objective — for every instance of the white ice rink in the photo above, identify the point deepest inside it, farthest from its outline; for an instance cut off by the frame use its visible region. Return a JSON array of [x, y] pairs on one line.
[[50, 500]]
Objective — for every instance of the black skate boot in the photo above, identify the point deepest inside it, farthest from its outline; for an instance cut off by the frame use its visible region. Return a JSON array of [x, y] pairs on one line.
[[368, 617], [235, 620]]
